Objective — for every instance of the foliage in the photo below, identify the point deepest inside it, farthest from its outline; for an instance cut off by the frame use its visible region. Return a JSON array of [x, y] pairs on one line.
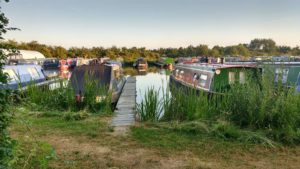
[[150, 109], [33, 154], [197, 130], [257, 47], [6, 144], [270, 109], [62, 98], [68, 116]]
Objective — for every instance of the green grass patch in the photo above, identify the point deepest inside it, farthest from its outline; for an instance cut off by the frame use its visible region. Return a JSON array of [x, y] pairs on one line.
[[47, 122], [170, 140], [32, 154]]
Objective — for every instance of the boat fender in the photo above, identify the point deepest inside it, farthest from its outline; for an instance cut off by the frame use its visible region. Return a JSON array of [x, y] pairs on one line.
[[78, 97]]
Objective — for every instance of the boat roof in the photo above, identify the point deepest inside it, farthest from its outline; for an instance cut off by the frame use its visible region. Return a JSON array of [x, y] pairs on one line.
[[21, 66], [26, 54], [265, 63], [212, 67]]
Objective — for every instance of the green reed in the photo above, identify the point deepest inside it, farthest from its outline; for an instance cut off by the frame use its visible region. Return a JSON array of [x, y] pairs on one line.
[[150, 109], [95, 98], [256, 106]]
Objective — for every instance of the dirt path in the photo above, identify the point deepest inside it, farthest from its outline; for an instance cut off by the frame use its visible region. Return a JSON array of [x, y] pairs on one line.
[[122, 152]]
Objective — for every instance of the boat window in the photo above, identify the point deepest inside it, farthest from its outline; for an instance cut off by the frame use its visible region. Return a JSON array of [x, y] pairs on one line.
[[281, 74], [231, 77], [285, 75], [33, 72], [242, 78], [195, 77], [298, 84], [117, 74], [203, 79], [181, 74], [12, 74], [177, 72]]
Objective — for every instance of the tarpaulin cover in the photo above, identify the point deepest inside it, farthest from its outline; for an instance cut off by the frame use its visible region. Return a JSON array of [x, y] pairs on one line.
[[101, 74]]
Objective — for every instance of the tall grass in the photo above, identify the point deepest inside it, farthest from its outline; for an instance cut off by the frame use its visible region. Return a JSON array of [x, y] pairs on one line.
[[150, 109], [95, 99], [263, 107]]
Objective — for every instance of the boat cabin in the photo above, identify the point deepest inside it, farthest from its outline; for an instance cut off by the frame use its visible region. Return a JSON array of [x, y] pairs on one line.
[[285, 72], [212, 77], [51, 63], [298, 84], [108, 75], [23, 75], [141, 64]]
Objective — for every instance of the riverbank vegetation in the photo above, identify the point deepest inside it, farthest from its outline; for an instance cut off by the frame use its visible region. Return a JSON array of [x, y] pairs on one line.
[[62, 97], [256, 112], [257, 47], [46, 140]]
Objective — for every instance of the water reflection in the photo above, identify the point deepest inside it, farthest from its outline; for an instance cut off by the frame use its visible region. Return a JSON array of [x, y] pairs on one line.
[[154, 77], [54, 73], [134, 72]]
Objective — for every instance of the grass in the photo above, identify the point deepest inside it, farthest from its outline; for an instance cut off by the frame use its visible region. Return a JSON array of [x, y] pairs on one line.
[[89, 126], [150, 109], [63, 98], [30, 126], [53, 142], [261, 111]]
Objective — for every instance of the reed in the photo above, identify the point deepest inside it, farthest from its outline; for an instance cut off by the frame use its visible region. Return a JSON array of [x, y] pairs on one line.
[[96, 98], [150, 109], [263, 107]]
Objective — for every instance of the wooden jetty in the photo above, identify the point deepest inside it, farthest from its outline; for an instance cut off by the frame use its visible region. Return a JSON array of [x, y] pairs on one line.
[[125, 109]]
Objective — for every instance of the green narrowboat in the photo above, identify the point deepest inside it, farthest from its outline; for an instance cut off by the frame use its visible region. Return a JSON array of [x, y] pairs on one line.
[[287, 73], [212, 78]]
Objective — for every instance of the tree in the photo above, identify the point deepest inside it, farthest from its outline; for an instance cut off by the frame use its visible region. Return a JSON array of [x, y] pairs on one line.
[[60, 52], [201, 50], [231, 51], [243, 50], [267, 46], [296, 51], [6, 144], [214, 52], [284, 49]]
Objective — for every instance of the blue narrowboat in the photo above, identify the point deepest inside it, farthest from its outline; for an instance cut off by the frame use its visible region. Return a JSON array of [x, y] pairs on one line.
[[22, 75]]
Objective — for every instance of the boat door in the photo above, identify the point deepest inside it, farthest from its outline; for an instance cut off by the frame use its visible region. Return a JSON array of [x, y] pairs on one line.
[[298, 84]]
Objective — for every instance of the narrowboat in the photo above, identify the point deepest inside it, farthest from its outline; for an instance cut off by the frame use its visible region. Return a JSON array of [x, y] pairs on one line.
[[109, 74], [51, 63], [286, 72], [212, 78], [24, 57], [166, 63], [298, 84], [66, 64], [141, 64], [20, 76]]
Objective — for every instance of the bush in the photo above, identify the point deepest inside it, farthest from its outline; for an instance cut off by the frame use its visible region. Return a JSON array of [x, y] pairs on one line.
[[6, 144]]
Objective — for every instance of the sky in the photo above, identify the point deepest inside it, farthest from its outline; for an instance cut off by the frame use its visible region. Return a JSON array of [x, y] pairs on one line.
[[153, 23]]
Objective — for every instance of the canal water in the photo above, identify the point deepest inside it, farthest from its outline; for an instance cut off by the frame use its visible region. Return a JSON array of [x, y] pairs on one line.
[[154, 77]]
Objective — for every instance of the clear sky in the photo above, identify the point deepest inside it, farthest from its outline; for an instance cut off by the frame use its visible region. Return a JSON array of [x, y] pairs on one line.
[[153, 23]]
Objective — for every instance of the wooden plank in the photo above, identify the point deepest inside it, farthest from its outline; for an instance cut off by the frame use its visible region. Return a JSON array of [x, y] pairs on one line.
[[125, 109]]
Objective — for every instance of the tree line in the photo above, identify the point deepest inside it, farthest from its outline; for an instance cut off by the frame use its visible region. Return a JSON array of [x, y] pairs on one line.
[[257, 47]]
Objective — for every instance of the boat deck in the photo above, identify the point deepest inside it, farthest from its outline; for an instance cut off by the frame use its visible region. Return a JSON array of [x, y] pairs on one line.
[[125, 109]]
